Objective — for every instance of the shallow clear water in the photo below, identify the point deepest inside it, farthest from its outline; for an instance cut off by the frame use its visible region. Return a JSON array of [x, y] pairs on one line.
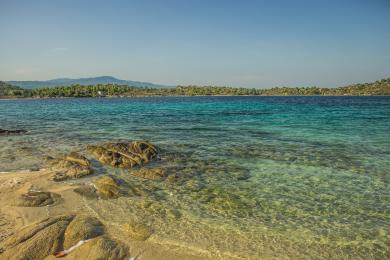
[[257, 176]]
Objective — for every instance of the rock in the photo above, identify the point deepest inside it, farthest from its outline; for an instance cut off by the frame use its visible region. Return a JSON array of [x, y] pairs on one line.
[[82, 228], [100, 248], [108, 187], [72, 166], [150, 174], [87, 191], [12, 132], [38, 240], [77, 158], [137, 231], [41, 240], [37, 199], [125, 155]]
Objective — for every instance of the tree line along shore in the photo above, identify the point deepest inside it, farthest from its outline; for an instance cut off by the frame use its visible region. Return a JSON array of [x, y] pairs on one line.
[[377, 88]]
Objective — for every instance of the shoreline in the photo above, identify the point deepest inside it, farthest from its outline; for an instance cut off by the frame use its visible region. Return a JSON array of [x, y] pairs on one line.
[[16, 218], [176, 96]]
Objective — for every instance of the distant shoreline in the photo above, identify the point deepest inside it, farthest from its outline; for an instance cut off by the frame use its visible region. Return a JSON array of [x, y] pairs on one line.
[[143, 96]]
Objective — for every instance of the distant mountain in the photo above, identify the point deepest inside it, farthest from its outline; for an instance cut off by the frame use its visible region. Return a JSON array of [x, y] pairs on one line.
[[83, 81]]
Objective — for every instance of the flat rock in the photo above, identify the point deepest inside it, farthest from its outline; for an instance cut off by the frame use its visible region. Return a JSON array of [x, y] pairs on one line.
[[37, 199]]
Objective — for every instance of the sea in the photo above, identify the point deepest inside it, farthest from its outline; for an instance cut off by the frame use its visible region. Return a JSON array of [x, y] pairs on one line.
[[255, 177]]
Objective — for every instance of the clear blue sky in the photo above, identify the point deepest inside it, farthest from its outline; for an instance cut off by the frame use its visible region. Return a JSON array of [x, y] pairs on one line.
[[235, 43]]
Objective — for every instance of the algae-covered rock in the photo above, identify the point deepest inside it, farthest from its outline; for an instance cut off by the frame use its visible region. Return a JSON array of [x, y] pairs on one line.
[[108, 187], [82, 228], [77, 158], [137, 231], [38, 240], [150, 174], [37, 199], [125, 155], [72, 166]]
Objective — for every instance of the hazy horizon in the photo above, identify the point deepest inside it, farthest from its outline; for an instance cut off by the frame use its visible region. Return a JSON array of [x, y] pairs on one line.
[[245, 44]]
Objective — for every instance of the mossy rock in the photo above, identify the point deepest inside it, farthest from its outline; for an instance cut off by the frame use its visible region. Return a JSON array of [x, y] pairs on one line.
[[125, 155], [77, 158], [72, 166], [37, 199], [149, 174]]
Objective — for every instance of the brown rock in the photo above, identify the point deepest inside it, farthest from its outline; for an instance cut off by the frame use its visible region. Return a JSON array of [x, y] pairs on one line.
[[77, 158], [38, 240], [37, 199], [82, 228], [126, 155], [108, 187], [72, 166], [100, 248]]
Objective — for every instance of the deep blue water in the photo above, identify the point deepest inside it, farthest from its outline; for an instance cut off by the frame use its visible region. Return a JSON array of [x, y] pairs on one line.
[[309, 172]]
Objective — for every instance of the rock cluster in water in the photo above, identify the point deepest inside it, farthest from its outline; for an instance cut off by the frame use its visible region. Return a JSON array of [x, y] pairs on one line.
[[71, 166], [43, 239], [12, 132], [125, 155]]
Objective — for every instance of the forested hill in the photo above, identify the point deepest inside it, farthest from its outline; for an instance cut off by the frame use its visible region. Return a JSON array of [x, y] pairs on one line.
[[381, 87], [82, 81], [9, 90]]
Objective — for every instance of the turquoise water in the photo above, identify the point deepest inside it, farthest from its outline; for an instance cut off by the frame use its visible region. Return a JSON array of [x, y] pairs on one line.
[[257, 176]]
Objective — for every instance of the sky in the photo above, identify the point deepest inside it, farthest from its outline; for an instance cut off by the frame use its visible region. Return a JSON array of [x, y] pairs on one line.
[[232, 43]]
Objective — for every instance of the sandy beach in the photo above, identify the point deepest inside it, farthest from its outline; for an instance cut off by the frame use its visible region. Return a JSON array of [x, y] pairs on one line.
[[15, 218]]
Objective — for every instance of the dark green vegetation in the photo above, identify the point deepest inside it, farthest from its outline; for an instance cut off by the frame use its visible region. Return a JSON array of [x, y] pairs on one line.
[[377, 88]]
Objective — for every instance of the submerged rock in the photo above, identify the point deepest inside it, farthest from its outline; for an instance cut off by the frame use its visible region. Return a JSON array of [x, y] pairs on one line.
[[87, 191], [41, 240], [12, 132], [108, 187], [137, 231], [72, 166], [125, 155], [150, 174], [37, 199]]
